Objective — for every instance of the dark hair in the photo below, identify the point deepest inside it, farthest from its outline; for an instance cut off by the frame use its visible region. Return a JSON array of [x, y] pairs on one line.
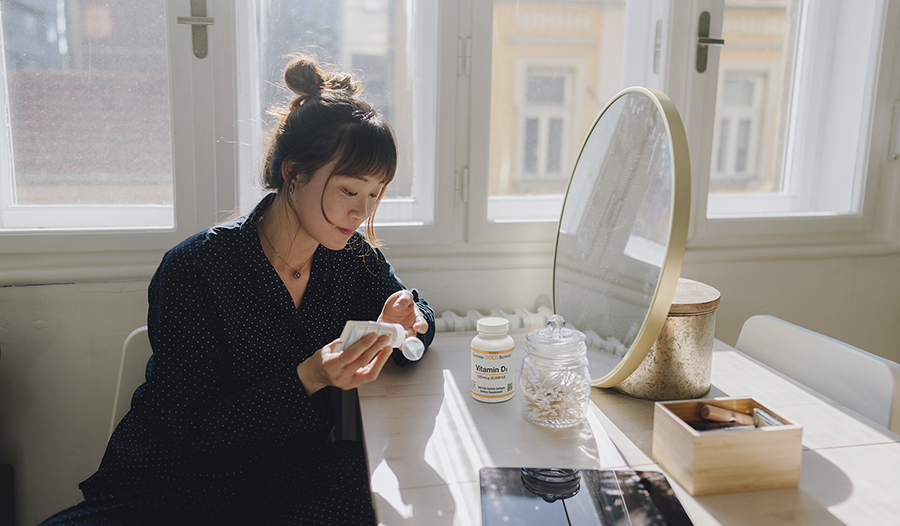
[[328, 121]]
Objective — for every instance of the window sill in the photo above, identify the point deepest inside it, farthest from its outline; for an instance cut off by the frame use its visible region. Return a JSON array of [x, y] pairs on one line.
[[93, 267], [775, 253]]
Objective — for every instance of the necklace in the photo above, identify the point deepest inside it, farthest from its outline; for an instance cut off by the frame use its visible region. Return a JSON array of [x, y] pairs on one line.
[[296, 272]]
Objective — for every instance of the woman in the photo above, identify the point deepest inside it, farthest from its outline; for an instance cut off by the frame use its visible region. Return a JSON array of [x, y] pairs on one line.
[[232, 425]]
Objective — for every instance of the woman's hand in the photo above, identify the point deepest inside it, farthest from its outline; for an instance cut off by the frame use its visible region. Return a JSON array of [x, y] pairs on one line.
[[345, 368], [401, 308]]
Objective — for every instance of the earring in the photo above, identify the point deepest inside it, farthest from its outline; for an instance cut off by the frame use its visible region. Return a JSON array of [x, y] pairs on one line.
[[291, 189]]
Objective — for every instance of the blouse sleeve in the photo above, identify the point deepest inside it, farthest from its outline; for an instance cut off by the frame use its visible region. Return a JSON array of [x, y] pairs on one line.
[[190, 390], [382, 283]]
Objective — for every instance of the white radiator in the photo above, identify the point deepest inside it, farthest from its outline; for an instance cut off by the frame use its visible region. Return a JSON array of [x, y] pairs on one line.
[[519, 318]]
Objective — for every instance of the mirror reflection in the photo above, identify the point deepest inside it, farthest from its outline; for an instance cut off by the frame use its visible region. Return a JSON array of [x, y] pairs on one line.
[[615, 227]]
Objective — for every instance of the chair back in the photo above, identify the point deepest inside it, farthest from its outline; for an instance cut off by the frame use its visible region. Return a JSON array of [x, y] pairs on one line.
[[132, 369], [856, 379]]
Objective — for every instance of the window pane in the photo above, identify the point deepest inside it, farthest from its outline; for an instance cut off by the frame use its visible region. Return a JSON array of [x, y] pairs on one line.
[[721, 159], [797, 80], [738, 92], [375, 40], [554, 146], [545, 89], [531, 145], [754, 85], [87, 88], [743, 144], [555, 65]]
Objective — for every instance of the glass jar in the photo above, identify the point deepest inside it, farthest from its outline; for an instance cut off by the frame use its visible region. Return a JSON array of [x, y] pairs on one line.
[[555, 383]]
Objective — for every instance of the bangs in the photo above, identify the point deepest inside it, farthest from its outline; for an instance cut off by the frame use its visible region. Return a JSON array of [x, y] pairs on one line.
[[366, 150]]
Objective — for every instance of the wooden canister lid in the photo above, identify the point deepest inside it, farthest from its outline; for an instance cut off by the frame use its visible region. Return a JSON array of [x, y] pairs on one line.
[[692, 297]]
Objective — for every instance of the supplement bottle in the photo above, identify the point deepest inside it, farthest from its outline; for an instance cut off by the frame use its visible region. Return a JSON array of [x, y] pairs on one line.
[[492, 361]]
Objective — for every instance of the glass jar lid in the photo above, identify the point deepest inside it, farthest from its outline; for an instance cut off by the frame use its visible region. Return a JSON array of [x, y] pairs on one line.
[[556, 339]]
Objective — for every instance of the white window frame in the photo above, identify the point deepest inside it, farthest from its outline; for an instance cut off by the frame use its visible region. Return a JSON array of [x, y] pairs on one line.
[[694, 94], [406, 219], [435, 200], [202, 146], [480, 230], [788, 218], [76, 218]]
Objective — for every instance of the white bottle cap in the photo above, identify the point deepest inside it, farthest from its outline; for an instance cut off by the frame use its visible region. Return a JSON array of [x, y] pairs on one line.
[[413, 348], [493, 325]]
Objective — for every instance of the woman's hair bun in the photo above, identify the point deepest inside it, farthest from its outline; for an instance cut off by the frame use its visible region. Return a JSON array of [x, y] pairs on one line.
[[343, 83], [307, 78]]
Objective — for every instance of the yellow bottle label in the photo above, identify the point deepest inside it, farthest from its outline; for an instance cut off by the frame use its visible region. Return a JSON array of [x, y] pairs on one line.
[[492, 375]]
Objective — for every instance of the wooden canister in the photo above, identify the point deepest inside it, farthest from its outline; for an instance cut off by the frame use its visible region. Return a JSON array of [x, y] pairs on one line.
[[679, 364]]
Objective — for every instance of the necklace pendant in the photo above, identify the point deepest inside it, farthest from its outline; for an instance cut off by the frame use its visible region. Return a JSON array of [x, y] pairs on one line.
[[297, 274]]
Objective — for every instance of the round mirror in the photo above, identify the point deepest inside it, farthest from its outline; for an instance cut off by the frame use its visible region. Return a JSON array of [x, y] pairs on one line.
[[623, 231]]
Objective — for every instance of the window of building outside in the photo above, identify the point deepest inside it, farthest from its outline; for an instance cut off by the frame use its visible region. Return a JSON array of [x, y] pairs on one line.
[[546, 117], [87, 129], [738, 139]]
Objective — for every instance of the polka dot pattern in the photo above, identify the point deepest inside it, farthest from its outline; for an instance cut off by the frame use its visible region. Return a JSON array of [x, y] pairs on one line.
[[222, 429]]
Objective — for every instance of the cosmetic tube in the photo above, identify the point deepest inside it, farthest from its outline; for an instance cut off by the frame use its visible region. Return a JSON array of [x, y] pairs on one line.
[[412, 347]]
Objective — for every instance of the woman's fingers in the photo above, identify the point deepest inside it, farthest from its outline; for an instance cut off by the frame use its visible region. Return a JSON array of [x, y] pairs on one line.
[[404, 300], [397, 306], [345, 368], [370, 371], [357, 363], [363, 350], [401, 308]]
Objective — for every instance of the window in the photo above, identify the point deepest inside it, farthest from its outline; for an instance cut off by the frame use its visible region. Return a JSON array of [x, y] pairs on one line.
[[794, 108], [391, 45], [87, 92], [109, 141], [554, 65], [490, 102]]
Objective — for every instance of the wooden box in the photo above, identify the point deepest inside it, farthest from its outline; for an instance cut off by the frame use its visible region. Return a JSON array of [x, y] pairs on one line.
[[724, 461]]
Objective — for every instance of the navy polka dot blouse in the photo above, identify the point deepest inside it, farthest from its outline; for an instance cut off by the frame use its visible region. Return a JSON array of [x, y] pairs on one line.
[[223, 408]]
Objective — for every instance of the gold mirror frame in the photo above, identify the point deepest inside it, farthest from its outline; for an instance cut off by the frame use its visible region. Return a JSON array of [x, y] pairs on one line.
[[679, 217]]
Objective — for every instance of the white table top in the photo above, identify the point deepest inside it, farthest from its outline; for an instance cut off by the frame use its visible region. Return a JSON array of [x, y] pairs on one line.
[[426, 438]]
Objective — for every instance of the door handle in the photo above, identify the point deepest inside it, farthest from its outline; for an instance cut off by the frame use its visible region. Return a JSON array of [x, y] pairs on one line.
[[704, 41], [198, 22]]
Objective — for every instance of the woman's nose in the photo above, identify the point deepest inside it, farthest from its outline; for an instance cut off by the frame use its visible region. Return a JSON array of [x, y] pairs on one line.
[[359, 211]]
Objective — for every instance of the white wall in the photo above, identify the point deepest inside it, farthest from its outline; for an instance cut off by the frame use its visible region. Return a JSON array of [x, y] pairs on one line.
[[59, 358]]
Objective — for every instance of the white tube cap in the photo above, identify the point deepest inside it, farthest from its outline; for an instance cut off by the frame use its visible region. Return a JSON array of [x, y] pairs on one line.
[[413, 348]]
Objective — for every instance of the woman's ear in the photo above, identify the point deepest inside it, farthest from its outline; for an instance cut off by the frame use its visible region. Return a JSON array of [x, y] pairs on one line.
[[287, 172]]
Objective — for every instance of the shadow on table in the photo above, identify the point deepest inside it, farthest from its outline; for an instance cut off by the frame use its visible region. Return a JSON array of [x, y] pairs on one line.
[[797, 505], [785, 505]]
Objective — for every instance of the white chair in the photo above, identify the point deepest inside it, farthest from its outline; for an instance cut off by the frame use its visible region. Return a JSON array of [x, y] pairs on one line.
[[859, 380], [135, 353]]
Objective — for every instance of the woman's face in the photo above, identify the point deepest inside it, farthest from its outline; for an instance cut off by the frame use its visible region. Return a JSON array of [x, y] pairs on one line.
[[332, 208]]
